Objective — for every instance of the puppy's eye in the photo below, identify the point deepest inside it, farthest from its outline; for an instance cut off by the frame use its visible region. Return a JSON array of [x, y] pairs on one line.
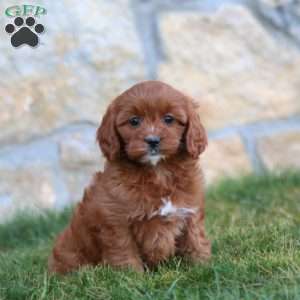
[[135, 121], [168, 119]]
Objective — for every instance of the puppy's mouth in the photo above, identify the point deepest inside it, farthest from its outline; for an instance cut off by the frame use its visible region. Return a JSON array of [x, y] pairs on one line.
[[152, 158], [153, 151], [150, 153]]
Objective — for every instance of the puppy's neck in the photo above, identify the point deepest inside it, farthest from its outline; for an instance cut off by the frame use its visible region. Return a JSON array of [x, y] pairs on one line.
[[164, 179], [181, 165]]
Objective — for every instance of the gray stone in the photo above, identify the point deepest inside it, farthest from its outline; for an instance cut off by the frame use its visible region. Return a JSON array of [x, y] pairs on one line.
[[282, 14]]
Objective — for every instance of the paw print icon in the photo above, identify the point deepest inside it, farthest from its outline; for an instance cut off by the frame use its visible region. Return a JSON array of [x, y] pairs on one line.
[[24, 32]]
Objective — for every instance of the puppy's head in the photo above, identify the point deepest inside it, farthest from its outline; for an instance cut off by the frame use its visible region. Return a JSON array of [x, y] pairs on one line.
[[149, 122]]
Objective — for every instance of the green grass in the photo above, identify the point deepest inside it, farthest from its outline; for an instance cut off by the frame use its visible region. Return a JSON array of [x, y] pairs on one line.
[[255, 227]]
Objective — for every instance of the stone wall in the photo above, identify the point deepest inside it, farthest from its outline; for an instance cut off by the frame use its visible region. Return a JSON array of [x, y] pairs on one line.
[[239, 59]]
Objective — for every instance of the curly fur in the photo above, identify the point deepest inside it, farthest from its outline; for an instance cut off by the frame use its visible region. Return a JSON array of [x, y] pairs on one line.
[[143, 208]]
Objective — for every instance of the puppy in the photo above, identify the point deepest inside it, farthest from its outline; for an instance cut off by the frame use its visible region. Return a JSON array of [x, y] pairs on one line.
[[148, 204]]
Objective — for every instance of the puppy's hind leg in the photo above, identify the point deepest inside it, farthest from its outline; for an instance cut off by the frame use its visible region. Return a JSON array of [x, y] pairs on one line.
[[193, 243], [64, 257]]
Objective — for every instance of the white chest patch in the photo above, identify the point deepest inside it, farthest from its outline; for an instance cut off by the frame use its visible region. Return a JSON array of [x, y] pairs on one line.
[[168, 210]]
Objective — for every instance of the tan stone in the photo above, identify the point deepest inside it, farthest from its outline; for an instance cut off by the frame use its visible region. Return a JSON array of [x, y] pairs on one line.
[[89, 52], [237, 71], [280, 151], [77, 179], [224, 158], [28, 188], [80, 158], [80, 148]]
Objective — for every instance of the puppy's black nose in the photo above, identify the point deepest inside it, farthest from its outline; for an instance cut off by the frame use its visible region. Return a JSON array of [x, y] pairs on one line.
[[152, 140]]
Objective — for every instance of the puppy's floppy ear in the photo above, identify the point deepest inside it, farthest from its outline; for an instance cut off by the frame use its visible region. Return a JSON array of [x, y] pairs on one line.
[[107, 135], [196, 138]]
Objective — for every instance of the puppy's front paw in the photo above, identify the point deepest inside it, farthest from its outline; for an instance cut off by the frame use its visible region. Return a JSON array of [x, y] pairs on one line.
[[134, 264], [199, 257], [202, 254], [137, 266]]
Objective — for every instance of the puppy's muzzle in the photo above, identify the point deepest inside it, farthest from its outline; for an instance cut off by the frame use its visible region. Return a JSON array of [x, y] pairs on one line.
[[153, 142]]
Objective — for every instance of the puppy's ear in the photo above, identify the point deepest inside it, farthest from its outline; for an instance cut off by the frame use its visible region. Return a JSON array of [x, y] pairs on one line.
[[107, 135], [196, 138]]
